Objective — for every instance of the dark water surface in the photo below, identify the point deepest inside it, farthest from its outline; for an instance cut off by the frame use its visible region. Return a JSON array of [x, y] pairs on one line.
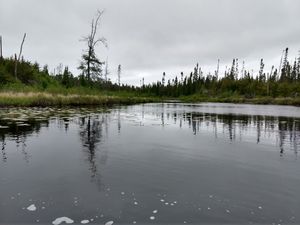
[[151, 164]]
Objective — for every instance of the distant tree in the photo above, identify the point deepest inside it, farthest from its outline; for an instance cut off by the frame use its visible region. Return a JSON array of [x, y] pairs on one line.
[[59, 68], [243, 69], [45, 69], [163, 80], [91, 66], [261, 75], [106, 72], [236, 73], [119, 75], [298, 67], [232, 72], [285, 65], [217, 70], [66, 77], [181, 75]]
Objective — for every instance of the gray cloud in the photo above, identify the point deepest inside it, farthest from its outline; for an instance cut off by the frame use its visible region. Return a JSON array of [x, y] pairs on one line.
[[151, 36]]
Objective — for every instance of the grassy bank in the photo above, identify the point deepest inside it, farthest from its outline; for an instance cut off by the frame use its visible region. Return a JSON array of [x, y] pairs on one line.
[[50, 99], [84, 98], [240, 99]]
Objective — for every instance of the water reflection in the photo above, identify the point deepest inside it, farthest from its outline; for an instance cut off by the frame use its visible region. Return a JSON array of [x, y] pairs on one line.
[[16, 125], [91, 132], [283, 131], [17, 130]]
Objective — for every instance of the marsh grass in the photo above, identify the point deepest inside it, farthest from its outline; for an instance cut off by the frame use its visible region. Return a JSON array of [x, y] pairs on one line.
[[50, 99]]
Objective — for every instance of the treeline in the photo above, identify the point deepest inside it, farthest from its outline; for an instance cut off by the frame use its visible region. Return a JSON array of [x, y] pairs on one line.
[[34, 75], [281, 82]]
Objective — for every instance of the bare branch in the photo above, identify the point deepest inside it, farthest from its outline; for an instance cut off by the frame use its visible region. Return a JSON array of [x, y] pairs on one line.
[[21, 48], [20, 53], [102, 40]]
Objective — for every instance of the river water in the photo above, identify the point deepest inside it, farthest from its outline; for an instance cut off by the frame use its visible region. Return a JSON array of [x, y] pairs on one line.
[[160, 163]]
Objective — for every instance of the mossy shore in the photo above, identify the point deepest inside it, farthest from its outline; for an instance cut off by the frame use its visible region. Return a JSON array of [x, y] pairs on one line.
[[47, 99]]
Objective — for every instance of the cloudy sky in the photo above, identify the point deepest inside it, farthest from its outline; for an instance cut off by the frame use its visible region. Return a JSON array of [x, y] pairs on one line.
[[148, 37]]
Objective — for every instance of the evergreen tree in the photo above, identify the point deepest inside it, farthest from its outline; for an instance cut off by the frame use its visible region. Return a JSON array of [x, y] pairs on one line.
[[91, 65]]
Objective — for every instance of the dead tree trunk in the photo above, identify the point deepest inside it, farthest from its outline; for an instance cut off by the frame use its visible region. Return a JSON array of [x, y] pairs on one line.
[[20, 53], [1, 56]]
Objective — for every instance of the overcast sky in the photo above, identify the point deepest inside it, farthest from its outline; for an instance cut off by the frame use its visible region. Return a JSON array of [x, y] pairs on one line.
[[148, 37]]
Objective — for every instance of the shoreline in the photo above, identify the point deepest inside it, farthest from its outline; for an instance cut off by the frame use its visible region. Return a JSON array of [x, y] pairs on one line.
[[242, 100], [43, 99]]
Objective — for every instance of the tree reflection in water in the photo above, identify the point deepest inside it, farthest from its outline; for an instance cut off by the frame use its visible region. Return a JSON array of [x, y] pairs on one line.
[[92, 135], [94, 126], [17, 131], [284, 130]]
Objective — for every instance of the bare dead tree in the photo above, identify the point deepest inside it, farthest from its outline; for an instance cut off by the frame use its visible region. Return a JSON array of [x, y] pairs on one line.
[[17, 60], [106, 72], [90, 64], [217, 70], [119, 76], [1, 56]]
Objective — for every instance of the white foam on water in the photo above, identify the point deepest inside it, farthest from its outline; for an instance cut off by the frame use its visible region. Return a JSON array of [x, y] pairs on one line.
[[259, 207], [32, 207], [152, 217], [155, 211], [60, 220], [208, 208], [136, 203], [109, 223], [166, 203], [122, 193], [172, 204], [134, 222], [84, 221], [162, 200]]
